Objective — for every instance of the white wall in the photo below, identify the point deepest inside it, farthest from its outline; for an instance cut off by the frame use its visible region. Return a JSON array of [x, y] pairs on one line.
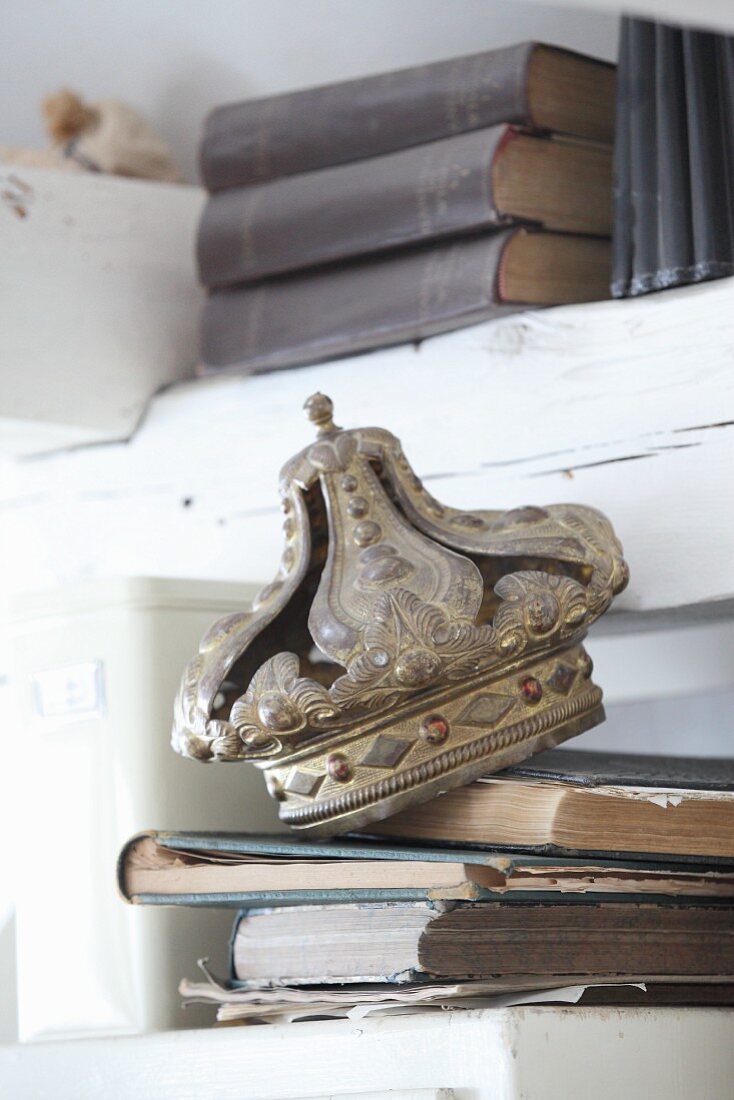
[[175, 59]]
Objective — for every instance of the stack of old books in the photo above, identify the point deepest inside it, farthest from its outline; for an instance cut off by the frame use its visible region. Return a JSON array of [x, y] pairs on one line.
[[382, 210], [613, 875]]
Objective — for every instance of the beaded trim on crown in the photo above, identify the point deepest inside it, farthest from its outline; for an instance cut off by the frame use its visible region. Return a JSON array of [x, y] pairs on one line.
[[404, 647]]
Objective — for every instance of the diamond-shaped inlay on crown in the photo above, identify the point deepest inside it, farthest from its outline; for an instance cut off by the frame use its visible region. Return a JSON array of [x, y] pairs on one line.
[[300, 782], [385, 751], [562, 678], [485, 710], [450, 641]]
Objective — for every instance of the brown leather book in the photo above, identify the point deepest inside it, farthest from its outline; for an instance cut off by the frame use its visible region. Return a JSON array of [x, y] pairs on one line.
[[397, 297], [473, 181], [529, 84], [403, 942]]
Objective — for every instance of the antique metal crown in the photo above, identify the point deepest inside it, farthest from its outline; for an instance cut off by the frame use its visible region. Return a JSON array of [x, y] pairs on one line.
[[404, 647]]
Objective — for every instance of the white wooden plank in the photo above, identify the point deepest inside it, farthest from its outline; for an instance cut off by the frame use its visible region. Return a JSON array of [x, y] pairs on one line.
[[638, 1054], [391, 1094], [625, 405], [531, 1053], [337, 1057]]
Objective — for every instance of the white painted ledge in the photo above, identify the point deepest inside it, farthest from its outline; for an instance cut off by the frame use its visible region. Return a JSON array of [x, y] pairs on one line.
[[99, 303], [628, 406], [501, 1054]]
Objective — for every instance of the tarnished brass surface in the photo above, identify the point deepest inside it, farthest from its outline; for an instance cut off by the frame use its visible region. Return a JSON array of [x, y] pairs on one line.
[[404, 647]]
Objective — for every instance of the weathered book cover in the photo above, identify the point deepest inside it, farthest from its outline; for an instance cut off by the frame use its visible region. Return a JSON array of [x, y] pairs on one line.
[[397, 297], [346, 308], [617, 805], [442, 188], [674, 158], [224, 847], [332, 124], [586, 768], [473, 941]]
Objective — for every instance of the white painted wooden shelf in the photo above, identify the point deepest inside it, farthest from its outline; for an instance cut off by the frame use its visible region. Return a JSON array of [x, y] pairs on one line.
[[525, 1053], [628, 406]]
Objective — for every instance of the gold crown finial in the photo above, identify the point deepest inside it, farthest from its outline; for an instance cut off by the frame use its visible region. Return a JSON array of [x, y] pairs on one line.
[[404, 647], [320, 411]]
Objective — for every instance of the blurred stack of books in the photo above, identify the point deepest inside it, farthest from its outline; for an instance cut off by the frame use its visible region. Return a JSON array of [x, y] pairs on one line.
[[385, 209], [610, 874], [674, 157]]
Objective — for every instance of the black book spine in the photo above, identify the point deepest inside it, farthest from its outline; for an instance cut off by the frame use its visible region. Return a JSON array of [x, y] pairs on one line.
[[674, 158], [709, 133], [675, 232], [643, 155], [622, 188], [725, 47]]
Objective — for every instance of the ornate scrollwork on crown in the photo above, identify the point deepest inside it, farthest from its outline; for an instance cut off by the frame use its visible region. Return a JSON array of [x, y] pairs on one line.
[[277, 707], [537, 608], [408, 646]]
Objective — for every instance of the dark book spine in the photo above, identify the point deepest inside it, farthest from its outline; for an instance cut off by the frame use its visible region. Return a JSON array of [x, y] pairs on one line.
[[725, 47], [622, 246], [587, 768], [711, 135], [674, 230], [433, 190], [298, 132], [643, 154], [348, 308], [674, 161], [653, 241], [659, 941]]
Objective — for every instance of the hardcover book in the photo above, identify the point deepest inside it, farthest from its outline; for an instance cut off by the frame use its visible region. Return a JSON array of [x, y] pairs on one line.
[[231, 869], [473, 181], [419, 941], [569, 800], [397, 297], [529, 84]]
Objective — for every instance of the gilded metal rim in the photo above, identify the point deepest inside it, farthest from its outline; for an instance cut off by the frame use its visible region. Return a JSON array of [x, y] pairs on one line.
[[446, 762]]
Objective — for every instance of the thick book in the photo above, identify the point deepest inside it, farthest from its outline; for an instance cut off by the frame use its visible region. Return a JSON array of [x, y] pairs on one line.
[[407, 942], [473, 181], [231, 869], [398, 297], [573, 800], [674, 158], [529, 84]]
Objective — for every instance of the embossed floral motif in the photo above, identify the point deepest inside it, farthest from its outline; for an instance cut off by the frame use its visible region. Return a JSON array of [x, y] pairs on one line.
[[409, 645], [278, 705], [535, 607]]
